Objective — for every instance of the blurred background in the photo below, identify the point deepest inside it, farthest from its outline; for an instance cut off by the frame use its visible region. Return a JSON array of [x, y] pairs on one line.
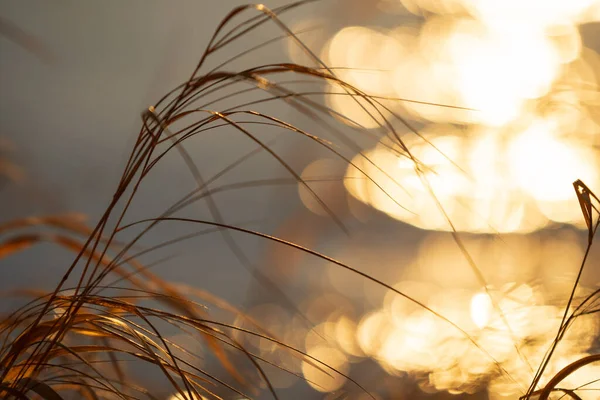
[[521, 78]]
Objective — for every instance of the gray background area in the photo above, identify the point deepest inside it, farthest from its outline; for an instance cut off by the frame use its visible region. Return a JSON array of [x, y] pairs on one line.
[[73, 120]]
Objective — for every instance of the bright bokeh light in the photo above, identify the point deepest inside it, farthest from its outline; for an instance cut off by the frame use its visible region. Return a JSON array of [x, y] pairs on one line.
[[544, 165], [491, 56], [455, 61], [483, 182], [366, 56], [481, 308], [528, 278], [320, 377], [421, 344], [503, 162], [538, 14], [514, 176], [498, 71]]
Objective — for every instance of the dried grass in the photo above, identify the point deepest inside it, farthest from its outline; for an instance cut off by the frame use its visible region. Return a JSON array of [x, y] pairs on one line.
[[78, 341]]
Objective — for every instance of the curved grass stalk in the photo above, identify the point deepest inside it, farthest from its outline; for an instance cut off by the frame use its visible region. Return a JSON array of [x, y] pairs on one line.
[[43, 329]]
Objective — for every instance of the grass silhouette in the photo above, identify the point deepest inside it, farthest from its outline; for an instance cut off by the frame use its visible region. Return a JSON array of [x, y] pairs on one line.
[[78, 340]]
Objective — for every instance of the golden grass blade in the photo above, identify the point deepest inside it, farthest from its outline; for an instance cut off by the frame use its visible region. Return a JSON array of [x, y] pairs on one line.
[[17, 244], [585, 196], [563, 373]]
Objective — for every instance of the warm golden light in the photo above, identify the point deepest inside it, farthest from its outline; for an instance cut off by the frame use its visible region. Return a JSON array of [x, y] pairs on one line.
[[504, 165], [536, 13], [498, 71], [419, 343], [481, 309], [368, 57], [484, 182], [528, 279], [544, 165], [320, 377]]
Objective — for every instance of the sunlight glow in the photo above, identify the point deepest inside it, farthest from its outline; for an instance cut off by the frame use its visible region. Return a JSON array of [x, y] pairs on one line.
[[321, 377], [521, 128], [419, 343], [485, 183], [406, 339], [521, 70], [481, 308]]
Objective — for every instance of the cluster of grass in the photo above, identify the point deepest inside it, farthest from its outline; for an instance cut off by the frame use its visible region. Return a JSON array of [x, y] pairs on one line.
[[78, 341]]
